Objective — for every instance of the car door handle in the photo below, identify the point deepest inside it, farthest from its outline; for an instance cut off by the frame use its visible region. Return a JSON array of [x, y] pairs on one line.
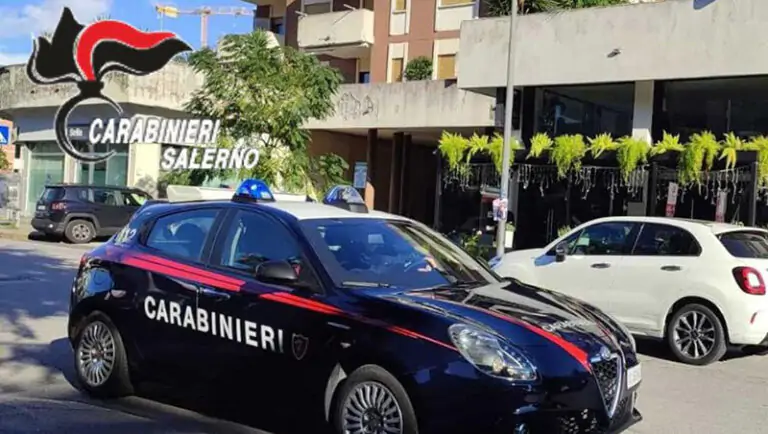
[[212, 293], [671, 268], [601, 265]]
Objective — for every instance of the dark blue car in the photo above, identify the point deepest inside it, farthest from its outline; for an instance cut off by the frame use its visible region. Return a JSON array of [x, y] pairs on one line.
[[368, 322]]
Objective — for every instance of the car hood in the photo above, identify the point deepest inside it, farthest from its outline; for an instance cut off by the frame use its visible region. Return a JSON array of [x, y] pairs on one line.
[[525, 316]]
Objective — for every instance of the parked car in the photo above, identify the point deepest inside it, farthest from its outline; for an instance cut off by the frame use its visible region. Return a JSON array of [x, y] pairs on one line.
[[369, 321], [79, 213], [699, 285]]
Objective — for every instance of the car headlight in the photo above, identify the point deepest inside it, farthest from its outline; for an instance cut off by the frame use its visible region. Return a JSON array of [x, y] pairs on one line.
[[491, 356]]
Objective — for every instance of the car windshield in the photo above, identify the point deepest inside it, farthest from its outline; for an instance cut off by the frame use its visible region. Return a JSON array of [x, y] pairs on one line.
[[366, 252], [746, 244]]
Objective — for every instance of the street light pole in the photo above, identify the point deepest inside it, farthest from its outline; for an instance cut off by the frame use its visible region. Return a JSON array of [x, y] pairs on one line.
[[501, 231]]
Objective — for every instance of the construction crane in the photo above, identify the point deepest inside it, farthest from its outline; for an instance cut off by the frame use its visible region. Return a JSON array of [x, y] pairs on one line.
[[204, 12]]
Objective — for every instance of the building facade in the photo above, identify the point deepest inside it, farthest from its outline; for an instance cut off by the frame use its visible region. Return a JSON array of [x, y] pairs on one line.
[[40, 161], [383, 121]]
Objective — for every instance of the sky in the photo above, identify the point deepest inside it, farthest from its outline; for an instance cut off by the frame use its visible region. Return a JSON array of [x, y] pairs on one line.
[[21, 19]]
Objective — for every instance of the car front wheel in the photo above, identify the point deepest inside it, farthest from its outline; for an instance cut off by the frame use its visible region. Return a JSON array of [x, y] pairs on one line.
[[101, 363], [371, 400], [696, 335]]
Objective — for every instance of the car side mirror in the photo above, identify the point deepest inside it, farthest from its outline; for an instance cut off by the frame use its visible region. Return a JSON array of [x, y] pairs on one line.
[[277, 272], [561, 251]]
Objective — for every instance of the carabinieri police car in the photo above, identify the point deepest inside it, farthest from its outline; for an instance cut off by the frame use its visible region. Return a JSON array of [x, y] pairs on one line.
[[371, 322]]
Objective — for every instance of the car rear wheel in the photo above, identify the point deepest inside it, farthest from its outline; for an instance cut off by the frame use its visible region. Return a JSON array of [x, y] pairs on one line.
[[101, 363], [372, 401], [696, 335], [80, 231]]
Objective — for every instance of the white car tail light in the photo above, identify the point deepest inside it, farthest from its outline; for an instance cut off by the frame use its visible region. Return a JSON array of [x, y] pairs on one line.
[[749, 280]]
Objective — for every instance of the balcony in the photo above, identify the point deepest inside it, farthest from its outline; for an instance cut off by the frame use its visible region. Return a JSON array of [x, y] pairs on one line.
[[344, 34]]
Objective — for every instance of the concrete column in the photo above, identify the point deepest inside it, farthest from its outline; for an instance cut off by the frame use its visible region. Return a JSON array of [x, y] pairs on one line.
[[394, 172], [370, 190], [70, 170], [144, 166], [642, 119]]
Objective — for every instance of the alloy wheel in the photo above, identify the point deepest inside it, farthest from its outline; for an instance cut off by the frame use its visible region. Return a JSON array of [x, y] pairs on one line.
[[81, 232], [96, 354], [694, 334], [371, 408]]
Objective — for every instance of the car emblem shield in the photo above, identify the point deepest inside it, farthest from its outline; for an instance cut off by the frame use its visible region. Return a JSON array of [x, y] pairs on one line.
[[299, 345]]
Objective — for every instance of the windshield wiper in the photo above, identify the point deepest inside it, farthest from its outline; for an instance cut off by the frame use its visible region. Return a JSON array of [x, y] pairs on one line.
[[355, 284]]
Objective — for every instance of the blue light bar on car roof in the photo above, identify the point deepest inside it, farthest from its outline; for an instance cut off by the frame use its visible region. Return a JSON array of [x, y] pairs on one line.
[[347, 197], [253, 190]]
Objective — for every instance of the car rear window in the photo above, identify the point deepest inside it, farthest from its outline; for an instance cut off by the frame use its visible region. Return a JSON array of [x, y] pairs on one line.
[[746, 244], [51, 194]]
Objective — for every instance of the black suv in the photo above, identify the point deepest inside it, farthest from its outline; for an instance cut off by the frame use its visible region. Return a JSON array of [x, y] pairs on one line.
[[82, 212]]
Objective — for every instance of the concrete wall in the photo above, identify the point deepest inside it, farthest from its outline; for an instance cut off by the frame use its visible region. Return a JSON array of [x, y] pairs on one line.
[[666, 40], [417, 104], [169, 88]]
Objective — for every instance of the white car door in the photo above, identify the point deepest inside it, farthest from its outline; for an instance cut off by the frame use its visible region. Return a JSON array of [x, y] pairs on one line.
[[652, 277], [589, 269]]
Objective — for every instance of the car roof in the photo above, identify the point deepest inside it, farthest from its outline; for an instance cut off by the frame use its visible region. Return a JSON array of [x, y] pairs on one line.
[[297, 210], [690, 224]]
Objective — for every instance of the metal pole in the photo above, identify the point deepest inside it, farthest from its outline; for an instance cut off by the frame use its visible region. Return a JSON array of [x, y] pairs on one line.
[[507, 150]]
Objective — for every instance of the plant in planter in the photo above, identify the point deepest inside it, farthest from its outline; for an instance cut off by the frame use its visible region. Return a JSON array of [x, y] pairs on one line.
[[730, 146], [496, 149], [540, 143], [563, 230], [567, 152], [699, 154], [419, 68], [631, 153], [453, 147], [603, 142], [477, 144], [668, 143], [760, 144]]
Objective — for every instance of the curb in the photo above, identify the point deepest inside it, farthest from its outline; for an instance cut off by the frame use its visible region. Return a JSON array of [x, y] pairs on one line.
[[37, 237]]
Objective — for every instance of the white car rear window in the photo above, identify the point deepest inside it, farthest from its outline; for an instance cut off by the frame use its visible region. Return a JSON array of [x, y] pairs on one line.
[[746, 244]]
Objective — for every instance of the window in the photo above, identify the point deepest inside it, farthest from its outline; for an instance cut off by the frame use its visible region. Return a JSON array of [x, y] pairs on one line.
[[277, 26], [614, 238], [446, 66], [134, 198], [364, 252], [52, 194], [456, 2], [255, 238], [317, 8], [570, 241], [106, 197], [399, 5], [182, 234], [663, 240], [364, 77], [746, 244], [396, 73]]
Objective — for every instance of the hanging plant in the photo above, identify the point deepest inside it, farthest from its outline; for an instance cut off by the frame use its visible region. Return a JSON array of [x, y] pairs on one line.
[[567, 152], [563, 230], [668, 143], [603, 142], [699, 154], [631, 153], [760, 144], [476, 144], [453, 147], [496, 149], [731, 145], [540, 143]]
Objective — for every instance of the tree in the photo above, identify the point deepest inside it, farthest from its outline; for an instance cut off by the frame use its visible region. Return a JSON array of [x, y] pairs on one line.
[[504, 7], [263, 95], [419, 68]]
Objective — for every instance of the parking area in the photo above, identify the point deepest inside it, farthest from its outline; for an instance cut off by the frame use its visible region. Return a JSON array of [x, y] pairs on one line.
[[36, 394]]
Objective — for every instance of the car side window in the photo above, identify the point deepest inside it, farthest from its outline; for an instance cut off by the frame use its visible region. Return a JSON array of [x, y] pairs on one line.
[[610, 238], [105, 197], [569, 241], [665, 240], [182, 234], [254, 238]]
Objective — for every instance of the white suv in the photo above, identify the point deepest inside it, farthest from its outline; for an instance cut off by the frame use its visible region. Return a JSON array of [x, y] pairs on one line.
[[699, 285]]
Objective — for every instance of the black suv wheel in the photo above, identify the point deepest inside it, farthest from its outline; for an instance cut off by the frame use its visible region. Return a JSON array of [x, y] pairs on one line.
[[79, 231]]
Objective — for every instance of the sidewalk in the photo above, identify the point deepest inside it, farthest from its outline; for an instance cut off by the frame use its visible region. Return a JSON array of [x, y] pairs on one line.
[[26, 233]]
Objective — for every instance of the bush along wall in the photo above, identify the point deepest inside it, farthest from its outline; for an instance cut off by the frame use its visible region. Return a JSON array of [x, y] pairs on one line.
[[568, 152]]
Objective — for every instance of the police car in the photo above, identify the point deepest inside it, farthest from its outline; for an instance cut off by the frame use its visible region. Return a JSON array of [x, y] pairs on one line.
[[371, 322]]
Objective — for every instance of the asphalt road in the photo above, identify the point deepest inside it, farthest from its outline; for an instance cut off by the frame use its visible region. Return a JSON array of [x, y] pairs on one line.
[[36, 392]]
